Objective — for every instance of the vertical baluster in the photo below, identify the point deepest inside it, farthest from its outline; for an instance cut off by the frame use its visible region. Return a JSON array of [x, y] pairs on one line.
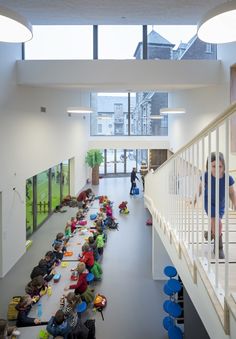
[[192, 198], [202, 185], [181, 196], [216, 241], [227, 207], [197, 202], [185, 195], [188, 189], [209, 203]]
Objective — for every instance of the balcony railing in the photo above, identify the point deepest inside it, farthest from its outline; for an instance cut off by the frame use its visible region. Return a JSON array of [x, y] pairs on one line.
[[172, 194]]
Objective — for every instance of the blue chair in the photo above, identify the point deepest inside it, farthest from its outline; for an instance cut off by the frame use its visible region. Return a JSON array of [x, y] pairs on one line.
[[166, 306], [174, 332], [174, 285], [90, 278], [168, 322], [80, 308], [174, 309], [170, 271], [167, 291]]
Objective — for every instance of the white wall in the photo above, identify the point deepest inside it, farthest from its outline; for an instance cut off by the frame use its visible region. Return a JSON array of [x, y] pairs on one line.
[[134, 142], [30, 143], [203, 104]]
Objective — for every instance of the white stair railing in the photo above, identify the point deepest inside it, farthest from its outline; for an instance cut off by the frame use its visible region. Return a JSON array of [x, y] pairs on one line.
[[172, 191]]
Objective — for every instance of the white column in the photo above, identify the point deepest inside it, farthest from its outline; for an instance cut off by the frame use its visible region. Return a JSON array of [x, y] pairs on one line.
[[160, 257]]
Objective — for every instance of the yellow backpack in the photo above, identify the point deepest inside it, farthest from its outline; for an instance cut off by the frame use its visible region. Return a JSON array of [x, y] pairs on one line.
[[12, 313]]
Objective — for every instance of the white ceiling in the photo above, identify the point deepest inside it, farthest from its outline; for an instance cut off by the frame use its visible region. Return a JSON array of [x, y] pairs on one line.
[[69, 12]]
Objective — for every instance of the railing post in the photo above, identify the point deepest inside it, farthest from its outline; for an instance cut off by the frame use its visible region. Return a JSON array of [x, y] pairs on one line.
[[209, 201], [227, 207]]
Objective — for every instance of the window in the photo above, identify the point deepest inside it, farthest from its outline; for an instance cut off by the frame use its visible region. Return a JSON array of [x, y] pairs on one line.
[[208, 48], [100, 128], [60, 43], [44, 192], [29, 207], [42, 189], [118, 42], [65, 178]]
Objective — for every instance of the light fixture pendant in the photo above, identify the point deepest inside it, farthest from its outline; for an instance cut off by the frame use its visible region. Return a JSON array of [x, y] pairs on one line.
[[14, 27], [157, 117], [218, 26], [174, 110], [79, 110]]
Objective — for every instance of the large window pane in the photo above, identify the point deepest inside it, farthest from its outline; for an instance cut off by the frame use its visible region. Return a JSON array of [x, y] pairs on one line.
[[29, 207], [110, 161], [42, 196], [60, 43], [147, 105], [130, 160], [177, 42], [110, 115], [65, 178], [55, 182], [118, 42], [120, 161]]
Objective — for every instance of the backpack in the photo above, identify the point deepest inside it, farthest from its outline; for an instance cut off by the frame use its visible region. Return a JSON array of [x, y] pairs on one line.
[[12, 312], [90, 324], [110, 223], [100, 301]]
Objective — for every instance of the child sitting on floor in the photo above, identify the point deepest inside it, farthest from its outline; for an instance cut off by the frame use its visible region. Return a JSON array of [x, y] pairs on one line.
[[87, 256], [60, 239], [100, 240], [80, 215], [36, 288], [81, 287], [123, 207], [58, 325], [68, 231], [73, 223], [45, 267], [58, 252], [23, 307], [93, 246], [7, 331], [67, 305]]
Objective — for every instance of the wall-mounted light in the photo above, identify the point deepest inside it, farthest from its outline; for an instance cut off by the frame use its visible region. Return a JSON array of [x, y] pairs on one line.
[[79, 110], [218, 26], [174, 110], [14, 27]]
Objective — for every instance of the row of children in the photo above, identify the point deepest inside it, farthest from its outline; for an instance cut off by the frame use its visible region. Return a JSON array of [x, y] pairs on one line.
[[38, 286]]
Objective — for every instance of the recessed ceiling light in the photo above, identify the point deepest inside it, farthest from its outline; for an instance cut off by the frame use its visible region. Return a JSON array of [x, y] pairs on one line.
[[14, 27], [174, 110]]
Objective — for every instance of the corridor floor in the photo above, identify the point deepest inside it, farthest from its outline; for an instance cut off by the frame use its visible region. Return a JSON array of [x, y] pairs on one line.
[[134, 309]]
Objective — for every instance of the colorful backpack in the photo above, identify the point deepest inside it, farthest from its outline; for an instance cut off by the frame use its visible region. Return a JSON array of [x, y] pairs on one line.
[[99, 303]]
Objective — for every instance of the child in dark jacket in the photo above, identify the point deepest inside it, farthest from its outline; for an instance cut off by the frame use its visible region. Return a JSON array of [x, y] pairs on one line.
[[23, 308], [36, 288], [45, 267], [58, 325], [58, 252]]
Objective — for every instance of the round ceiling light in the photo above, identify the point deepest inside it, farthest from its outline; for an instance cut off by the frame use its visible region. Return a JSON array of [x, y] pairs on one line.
[[14, 27]]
